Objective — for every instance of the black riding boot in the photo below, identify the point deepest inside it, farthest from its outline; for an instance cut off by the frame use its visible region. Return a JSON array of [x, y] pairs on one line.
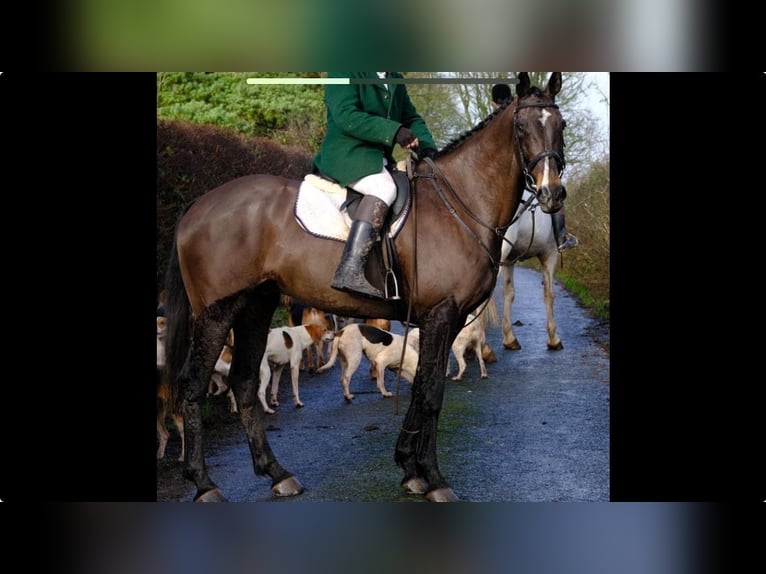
[[564, 240], [349, 276]]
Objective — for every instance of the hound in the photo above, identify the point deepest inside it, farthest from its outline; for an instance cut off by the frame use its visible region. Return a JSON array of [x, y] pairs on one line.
[[382, 348], [285, 346]]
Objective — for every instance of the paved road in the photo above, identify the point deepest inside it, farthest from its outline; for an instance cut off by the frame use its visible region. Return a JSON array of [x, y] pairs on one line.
[[536, 430]]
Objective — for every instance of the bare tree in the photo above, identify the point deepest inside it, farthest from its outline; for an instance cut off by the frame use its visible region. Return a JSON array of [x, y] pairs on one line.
[[452, 109]]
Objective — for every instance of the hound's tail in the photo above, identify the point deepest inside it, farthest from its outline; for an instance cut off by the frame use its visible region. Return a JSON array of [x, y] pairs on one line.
[[178, 333], [333, 354]]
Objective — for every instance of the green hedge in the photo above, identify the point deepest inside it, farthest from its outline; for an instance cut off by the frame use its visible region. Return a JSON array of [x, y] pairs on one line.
[[195, 158]]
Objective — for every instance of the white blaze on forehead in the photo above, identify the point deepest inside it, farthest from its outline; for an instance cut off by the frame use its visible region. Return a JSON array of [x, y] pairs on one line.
[[546, 166], [546, 171]]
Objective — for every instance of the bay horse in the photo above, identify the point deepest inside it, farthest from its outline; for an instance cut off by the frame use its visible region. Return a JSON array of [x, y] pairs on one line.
[[530, 236], [239, 246]]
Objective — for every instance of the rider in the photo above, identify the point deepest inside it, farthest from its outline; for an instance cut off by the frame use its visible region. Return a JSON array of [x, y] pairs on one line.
[[364, 121], [501, 93]]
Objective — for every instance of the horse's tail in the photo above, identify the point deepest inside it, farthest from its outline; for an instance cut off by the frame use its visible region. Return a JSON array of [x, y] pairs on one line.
[[489, 315], [178, 331]]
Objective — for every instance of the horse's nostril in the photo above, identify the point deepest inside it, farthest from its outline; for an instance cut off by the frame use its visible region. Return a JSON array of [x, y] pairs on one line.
[[563, 193]]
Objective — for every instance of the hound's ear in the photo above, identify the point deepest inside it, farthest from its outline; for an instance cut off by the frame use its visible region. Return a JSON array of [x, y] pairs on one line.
[[288, 340], [522, 87], [554, 84]]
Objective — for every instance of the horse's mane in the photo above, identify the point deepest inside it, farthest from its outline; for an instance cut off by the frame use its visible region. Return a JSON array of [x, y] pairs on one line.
[[466, 135]]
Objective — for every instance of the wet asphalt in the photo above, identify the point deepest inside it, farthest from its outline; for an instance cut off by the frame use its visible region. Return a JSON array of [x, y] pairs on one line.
[[536, 430]]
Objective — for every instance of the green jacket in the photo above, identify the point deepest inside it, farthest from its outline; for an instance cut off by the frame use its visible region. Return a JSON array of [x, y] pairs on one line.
[[362, 120]]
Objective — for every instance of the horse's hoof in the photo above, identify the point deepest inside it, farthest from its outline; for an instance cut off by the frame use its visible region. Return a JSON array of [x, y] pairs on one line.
[[415, 485], [514, 346], [442, 495], [557, 347], [287, 487], [212, 495]]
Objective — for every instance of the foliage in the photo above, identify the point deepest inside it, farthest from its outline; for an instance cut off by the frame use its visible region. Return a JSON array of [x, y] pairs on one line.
[[290, 114], [586, 272]]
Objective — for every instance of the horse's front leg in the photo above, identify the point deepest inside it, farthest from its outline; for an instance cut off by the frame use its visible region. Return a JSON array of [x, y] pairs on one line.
[[416, 445], [509, 338], [554, 342]]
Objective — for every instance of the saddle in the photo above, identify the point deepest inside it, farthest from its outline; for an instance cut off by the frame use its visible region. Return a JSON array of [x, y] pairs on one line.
[[401, 201], [383, 269]]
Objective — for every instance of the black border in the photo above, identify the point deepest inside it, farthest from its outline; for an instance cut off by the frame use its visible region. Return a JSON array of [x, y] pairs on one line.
[[82, 146], [686, 421]]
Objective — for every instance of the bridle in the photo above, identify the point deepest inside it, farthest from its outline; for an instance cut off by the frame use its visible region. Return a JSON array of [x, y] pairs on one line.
[[529, 181]]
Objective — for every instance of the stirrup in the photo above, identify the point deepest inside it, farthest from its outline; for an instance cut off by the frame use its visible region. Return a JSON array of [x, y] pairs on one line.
[[395, 296]]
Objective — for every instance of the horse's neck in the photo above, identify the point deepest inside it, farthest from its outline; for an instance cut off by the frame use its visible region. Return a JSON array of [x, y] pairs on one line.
[[486, 175]]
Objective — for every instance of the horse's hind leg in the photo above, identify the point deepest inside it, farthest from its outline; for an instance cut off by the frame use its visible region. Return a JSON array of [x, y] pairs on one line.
[[251, 329], [509, 339], [416, 445], [210, 331]]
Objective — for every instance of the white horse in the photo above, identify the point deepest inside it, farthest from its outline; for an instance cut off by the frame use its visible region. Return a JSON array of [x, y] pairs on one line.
[[531, 235]]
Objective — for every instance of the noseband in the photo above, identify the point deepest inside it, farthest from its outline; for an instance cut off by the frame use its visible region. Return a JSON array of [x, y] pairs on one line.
[[529, 181]]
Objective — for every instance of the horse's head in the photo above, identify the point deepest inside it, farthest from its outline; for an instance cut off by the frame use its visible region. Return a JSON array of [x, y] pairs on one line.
[[538, 129]]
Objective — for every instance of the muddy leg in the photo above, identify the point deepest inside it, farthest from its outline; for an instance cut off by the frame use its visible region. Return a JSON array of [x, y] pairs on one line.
[[416, 446], [209, 336]]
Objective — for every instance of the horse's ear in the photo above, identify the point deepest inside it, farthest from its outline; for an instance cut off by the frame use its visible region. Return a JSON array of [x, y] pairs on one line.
[[522, 87], [554, 84]]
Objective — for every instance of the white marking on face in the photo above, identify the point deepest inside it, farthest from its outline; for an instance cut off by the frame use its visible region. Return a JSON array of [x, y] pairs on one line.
[[546, 166]]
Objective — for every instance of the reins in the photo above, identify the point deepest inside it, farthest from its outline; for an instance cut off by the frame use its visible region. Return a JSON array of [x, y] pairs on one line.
[[500, 231], [414, 288]]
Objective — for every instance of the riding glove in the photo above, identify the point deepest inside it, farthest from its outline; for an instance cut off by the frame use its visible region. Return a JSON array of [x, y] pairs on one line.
[[404, 136]]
